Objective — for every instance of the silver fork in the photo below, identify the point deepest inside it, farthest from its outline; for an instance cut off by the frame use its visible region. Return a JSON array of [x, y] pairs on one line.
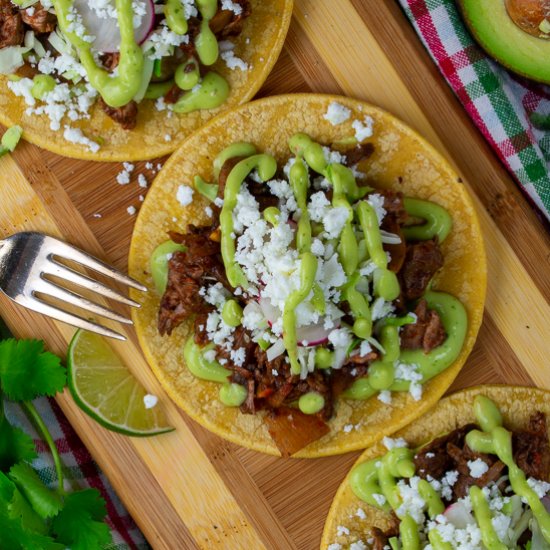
[[27, 258]]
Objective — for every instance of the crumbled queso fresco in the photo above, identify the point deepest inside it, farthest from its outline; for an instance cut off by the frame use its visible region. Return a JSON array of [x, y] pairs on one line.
[[184, 195], [272, 266], [462, 533], [337, 113], [72, 97]]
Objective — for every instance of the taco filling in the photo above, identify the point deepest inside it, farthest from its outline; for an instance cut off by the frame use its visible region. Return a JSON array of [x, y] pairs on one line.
[[308, 286], [63, 56], [480, 486]]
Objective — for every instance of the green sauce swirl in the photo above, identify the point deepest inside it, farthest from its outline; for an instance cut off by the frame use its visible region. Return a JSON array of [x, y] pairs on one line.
[[379, 476], [115, 90], [266, 167], [200, 366]]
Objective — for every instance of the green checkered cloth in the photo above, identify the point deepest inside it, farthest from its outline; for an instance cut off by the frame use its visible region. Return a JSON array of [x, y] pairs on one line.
[[511, 112]]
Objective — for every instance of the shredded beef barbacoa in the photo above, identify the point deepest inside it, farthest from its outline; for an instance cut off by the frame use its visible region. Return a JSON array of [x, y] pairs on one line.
[[14, 21], [422, 261], [270, 385], [188, 271], [451, 453], [428, 331], [41, 21], [12, 30], [530, 446], [381, 538], [126, 115]]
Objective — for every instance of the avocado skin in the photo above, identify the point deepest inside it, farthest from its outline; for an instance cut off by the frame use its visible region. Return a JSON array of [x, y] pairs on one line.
[[513, 48]]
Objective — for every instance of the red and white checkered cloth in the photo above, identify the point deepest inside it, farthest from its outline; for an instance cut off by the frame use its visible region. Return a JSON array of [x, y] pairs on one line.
[[79, 468], [511, 112]]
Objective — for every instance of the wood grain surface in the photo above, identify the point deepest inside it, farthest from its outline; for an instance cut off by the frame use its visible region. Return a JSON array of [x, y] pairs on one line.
[[190, 489]]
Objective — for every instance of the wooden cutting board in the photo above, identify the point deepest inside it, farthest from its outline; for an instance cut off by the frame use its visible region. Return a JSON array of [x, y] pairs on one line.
[[190, 489]]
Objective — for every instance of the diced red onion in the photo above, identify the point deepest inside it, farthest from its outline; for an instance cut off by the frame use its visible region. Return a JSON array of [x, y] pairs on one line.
[[271, 313], [314, 335]]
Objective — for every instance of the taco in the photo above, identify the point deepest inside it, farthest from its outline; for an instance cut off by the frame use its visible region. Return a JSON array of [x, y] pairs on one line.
[[294, 297], [82, 88], [473, 473]]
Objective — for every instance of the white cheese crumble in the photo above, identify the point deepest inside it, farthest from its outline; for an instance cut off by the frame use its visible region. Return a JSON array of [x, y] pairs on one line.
[[75, 135], [390, 443], [380, 499], [363, 130], [232, 6], [377, 202], [477, 467], [150, 400], [341, 530], [184, 195], [385, 397], [542, 488], [227, 53], [360, 513], [358, 545], [131, 210], [334, 221], [410, 373], [337, 113]]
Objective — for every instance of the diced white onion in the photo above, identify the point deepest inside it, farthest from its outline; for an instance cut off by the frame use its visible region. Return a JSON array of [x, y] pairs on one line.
[[275, 350], [389, 238], [59, 43], [11, 58], [339, 357]]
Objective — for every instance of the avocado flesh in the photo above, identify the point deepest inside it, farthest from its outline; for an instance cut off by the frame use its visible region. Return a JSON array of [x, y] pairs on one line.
[[502, 39]]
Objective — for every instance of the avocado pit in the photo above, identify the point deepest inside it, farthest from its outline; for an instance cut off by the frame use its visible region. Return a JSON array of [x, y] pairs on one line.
[[531, 16]]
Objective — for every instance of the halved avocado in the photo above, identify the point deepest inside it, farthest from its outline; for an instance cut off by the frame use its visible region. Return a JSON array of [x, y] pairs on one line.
[[505, 41]]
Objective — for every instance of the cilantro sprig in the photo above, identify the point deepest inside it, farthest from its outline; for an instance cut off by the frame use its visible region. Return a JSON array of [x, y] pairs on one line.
[[33, 516]]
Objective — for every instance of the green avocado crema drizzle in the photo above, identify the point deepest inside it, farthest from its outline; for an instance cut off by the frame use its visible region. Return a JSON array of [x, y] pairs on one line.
[[115, 90], [378, 477], [360, 240], [213, 90], [381, 373], [119, 90]]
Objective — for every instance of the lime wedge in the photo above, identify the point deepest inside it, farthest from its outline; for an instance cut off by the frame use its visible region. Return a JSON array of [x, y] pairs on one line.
[[106, 390]]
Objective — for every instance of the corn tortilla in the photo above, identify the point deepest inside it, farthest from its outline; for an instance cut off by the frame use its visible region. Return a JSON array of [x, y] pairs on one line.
[[402, 160], [265, 31], [517, 404]]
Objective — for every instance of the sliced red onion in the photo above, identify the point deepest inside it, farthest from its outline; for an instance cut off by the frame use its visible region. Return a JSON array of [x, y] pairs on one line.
[[314, 335], [106, 31], [459, 515], [277, 349], [271, 313]]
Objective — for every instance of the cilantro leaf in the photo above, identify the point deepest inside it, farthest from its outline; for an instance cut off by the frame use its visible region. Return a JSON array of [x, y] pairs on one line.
[[80, 524], [20, 525], [15, 445], [27, 371], [44, 501], [15, 537], [19, 508]]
